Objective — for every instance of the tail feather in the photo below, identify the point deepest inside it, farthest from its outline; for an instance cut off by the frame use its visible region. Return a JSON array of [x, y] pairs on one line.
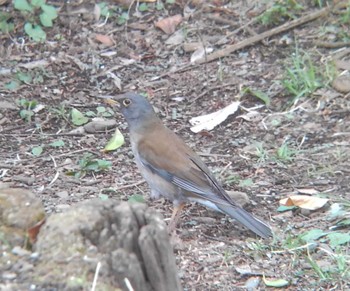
[[247, 219]]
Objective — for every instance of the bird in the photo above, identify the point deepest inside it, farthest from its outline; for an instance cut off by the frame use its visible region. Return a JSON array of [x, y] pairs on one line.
[[172, 169]]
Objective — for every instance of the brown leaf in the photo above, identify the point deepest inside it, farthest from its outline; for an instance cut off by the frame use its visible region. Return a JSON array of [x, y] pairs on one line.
[[168, 25], [34, 230], [304, 201], [104, 39]]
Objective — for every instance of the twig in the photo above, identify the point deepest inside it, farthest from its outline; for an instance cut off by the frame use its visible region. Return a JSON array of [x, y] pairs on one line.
[[251, 40], [131, 185], [332, 44], [94, 283]]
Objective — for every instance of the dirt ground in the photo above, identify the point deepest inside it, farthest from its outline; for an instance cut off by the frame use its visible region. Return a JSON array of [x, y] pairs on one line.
[[74, 66]]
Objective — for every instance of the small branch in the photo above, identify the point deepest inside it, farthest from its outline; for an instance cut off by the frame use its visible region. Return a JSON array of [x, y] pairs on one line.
[[256, 38]]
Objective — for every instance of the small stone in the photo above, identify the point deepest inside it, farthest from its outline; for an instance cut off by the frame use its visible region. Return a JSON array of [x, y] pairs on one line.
[[18, 251], [9, 276], [34, 256], [63, 194], [23, 179]]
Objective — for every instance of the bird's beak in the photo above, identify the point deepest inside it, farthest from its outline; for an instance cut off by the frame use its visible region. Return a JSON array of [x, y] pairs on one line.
[[112, 101]]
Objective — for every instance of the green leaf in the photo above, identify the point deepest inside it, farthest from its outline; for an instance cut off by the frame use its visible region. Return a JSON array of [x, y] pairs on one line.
[[115, 142], [49, 14], [103, 197], [12, 85], [103, 164], [57, 143], [261, 95], [26, 114], [104, 8], [6, 26], [35, 32], [45, 20], [78, 118], [101, 109], [246, 183], [312, 235], [38, 3], [24, 77], [283, 208], [170, 1], [159, 6], [278, 283], [90, 113], [136, 198], [338, 238], [143, 7], [23, 5], [36, 151], [122, 19]]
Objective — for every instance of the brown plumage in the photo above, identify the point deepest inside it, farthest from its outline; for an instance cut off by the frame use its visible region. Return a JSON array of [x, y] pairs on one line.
[[173, 170]]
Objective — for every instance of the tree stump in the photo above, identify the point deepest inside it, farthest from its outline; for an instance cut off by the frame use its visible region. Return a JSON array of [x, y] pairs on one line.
[[129, 242]]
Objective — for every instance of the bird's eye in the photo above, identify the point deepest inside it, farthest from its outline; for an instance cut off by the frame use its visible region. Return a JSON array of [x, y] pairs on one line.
[[126, 102]]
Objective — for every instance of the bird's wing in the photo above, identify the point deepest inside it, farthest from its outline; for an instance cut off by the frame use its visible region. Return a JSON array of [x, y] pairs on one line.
[[177, 163]]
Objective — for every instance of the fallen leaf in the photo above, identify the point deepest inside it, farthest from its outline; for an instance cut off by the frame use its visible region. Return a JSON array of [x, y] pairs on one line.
[[115, 142], [308, 191], [104, 39], [276, 282], [200, 53], [304, 201], [168, 25], [209, 121], [34, 231]]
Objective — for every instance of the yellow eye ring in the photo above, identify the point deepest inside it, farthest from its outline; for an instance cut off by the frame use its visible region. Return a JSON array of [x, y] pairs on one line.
[[126, 102]]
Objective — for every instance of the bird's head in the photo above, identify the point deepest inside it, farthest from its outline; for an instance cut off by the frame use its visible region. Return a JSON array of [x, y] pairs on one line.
[[135, 108]]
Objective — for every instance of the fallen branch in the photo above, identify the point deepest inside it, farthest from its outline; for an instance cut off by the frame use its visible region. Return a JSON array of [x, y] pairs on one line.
[[256, 38]]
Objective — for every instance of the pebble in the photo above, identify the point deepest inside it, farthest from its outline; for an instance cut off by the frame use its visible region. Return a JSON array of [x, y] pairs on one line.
[[18, 251], [9, 276], [62, 194]]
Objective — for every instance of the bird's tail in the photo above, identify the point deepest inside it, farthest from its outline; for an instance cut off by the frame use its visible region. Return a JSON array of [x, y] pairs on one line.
[[248, 220]]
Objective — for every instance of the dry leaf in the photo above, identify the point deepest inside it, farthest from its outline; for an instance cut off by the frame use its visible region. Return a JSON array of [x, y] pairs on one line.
[[104, 39], [304, 201], [209, 121], [34, 231], [308, 191], [168, 25], [200, 53]]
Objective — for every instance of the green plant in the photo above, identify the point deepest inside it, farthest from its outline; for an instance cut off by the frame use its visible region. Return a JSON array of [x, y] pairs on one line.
[[280, 11], [6, 25], [27, 106], [123, 18], [345, 17], [78, 118], [261, 153], [285, 153], [302, 77], [88, 164], [101, 111], [30, 10]]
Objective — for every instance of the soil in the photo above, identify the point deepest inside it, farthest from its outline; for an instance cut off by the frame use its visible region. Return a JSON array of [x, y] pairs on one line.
[[73, 67]]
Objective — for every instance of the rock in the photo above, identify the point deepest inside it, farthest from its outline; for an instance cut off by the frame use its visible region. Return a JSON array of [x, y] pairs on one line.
[[98, 125], [23, 179], [19, 211], [63, 194]]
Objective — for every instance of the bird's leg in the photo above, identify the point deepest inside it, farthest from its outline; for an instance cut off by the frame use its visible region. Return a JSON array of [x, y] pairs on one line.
[[175, 217]]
